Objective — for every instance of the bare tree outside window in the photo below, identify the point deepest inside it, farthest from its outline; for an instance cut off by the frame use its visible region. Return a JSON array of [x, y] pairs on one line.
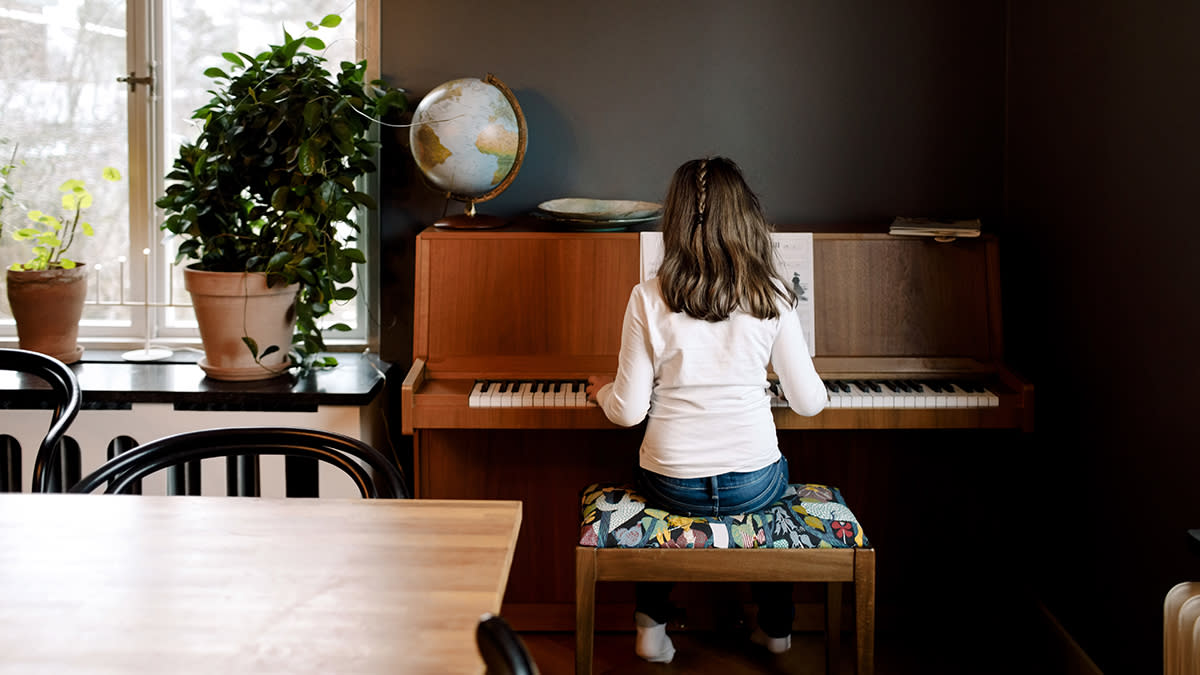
[[64, 110]]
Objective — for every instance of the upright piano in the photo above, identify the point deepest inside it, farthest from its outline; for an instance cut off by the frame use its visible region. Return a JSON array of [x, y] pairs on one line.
[[537, 311]]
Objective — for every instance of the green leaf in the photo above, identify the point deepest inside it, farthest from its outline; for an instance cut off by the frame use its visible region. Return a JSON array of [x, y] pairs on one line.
[[309, 158], [279, 260], [251, 344], [233, 58], [312, 114], [280, 196], [331, 21], [110, 174], [354, 255], [269, 350], [215, 73], [314, 43], [364, 199], [344, 293], [87, 229]]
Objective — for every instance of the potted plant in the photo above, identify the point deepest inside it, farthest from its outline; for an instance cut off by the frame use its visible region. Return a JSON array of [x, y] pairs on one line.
[[267, 193], [46, 292]]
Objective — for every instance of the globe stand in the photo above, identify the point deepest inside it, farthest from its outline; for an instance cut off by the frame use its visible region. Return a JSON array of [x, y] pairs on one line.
[[470, 220]]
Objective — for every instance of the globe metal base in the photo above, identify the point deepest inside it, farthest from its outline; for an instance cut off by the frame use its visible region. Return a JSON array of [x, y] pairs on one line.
[[463, 221]]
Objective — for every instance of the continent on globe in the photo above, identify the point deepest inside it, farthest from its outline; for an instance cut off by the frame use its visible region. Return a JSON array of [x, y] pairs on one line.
[[431, 148], [496, 139]]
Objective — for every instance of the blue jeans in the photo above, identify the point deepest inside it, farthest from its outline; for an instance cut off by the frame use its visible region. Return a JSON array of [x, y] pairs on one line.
[[722, 495]]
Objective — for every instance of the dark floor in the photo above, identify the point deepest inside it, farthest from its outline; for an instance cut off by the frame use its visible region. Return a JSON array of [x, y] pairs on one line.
[[952, 645]]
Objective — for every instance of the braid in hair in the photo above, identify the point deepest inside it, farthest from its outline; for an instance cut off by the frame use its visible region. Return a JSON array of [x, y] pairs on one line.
[[701, 191]]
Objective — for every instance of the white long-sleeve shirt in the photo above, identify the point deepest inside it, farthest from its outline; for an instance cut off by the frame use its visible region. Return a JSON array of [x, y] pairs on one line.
[[704, 385]]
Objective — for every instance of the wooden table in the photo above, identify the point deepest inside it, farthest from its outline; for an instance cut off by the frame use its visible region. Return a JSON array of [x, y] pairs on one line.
[[130, 584]]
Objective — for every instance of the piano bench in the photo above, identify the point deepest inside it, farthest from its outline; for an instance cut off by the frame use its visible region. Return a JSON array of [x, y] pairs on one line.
[[808, 535]]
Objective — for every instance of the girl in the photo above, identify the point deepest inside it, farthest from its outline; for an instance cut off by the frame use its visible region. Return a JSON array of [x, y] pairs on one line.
[[695, 346]]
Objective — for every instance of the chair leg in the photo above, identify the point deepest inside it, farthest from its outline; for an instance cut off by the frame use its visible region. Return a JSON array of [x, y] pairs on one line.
[[833, 627], [585, 608], [864, 610]]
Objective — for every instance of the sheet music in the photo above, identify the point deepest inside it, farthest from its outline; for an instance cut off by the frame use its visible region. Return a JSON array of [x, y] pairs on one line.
[[794, 255], [652, 253]]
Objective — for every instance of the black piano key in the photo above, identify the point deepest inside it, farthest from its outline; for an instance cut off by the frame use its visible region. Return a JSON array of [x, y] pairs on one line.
[[504, 386], [487, 384]]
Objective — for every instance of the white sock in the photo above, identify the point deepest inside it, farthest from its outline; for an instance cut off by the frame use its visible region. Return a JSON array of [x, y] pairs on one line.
[[653, 643], [773, 644]]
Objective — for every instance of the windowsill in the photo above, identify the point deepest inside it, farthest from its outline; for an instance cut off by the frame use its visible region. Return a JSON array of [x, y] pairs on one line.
[[109, 382]]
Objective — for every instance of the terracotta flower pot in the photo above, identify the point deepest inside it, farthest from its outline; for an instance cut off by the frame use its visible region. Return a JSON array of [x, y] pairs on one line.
[[47, 306], [233, 305]]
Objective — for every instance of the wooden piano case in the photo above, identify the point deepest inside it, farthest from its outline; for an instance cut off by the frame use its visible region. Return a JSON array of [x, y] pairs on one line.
[[536, 304]]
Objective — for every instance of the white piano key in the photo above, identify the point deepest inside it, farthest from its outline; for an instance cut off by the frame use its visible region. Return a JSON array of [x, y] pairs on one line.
[[476, 392], [961, 397], [503, 397], [858, 397], [486, 395]]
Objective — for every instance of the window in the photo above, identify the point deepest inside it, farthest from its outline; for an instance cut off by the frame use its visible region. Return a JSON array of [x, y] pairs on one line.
[[66, 114]]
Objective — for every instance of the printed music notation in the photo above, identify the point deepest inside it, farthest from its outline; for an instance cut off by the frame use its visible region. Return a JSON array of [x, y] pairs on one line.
[[794, 253]]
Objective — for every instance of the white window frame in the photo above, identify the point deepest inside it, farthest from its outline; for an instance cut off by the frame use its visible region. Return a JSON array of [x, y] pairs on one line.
[[148, 266]]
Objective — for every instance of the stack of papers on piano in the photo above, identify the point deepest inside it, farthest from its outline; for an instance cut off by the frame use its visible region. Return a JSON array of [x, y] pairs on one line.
[[941, 230]]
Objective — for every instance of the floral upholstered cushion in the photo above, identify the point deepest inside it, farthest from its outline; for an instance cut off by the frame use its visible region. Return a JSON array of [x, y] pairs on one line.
[[807, 516]]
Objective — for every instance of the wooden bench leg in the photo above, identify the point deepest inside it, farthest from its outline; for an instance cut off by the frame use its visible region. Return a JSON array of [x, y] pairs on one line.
[[864, 610], [585, 608], [833, 627]]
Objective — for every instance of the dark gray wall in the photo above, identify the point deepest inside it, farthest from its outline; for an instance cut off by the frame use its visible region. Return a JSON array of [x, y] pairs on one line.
[[839, 112], [1070, 127], [1104, 158]]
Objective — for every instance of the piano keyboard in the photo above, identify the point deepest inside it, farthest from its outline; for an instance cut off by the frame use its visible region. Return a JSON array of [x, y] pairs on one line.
[[529, 394], [899, 394], [842, 394]]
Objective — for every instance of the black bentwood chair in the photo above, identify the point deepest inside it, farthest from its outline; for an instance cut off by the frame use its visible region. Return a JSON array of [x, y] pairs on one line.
[[502, 650], [374, 474], [67, 398]]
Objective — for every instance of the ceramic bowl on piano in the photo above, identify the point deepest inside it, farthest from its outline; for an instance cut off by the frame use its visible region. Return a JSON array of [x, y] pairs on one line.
[[578, 208], [579, 213]]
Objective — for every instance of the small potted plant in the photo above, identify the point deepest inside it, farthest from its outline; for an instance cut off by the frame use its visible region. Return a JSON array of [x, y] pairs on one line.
[[264, 200], [47, 291]]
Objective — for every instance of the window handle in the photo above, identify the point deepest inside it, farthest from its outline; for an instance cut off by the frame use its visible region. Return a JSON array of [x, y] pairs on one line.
[[133, 80]]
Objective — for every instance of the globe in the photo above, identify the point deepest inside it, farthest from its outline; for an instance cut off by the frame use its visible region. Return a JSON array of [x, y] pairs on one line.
[[468, 139]]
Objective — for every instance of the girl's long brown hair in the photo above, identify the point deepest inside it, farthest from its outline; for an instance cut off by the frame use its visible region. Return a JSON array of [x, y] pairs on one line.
[[717, 254]]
